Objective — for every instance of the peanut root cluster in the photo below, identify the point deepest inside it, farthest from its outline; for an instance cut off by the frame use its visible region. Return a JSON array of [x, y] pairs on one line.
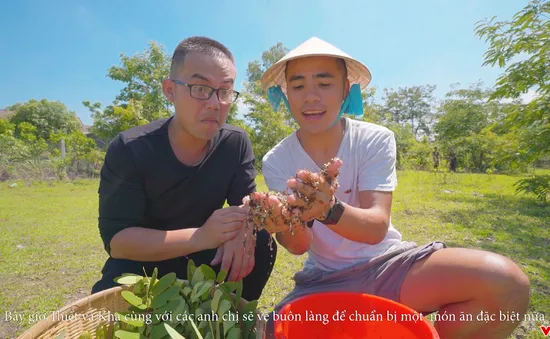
[[288, 214]]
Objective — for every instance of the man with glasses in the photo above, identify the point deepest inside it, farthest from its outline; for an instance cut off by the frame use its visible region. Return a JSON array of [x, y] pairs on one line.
[[164, 184]]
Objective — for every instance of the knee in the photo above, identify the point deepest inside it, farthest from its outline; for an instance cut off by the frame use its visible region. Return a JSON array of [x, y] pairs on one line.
[[506, 279]]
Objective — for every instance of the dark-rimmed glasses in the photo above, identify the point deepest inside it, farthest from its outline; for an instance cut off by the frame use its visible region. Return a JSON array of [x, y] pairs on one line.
[[204, 92]]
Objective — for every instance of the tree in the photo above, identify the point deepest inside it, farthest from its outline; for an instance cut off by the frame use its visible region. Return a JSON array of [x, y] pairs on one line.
[[141, 100], [232, 118], [522, 45], [412, 106], [265, 126], [463, 112], [115, 118], [372, 112], [526, 37], [143, 74], [472, 125], [6, 127], [46, 116]]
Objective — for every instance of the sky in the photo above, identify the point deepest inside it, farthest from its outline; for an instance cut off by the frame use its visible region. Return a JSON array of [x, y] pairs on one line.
[[62, 50]]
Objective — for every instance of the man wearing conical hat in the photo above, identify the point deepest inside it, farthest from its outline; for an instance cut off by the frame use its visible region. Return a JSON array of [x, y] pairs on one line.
[[355, 247]]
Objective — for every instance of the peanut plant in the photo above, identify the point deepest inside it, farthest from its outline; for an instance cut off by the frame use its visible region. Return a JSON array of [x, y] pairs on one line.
[[201, 307]]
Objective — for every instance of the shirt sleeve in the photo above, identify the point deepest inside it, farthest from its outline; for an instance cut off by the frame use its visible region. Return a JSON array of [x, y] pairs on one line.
[[243, 182], [377, 170], [122, 198], [273, 176]]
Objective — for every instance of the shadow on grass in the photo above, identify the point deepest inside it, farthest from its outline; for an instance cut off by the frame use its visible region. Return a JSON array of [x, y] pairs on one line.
[[508, 225], [519, 203], [504, 224]]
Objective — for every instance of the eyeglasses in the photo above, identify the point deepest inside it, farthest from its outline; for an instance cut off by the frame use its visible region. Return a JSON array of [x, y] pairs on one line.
[[203, 92]]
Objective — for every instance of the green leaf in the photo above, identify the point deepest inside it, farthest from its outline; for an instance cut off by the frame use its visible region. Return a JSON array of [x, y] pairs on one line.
[[221, 276], [206, 307], [203, 324], [122, 334], [178, 283], [229, 286], [133, 299], [181, 309], [209, 335], [154, 277], [164, 297], [131, 319], [216, 300], [171, 306], [208, 272], [128, 279], [172, 332], [190, 269], [234, 333], [239, 292], [194, 294], [85, 335], [187, 291], [223, 307], [139, 287], [158, 331], [198, 276], [101, 332], [228, 324], [164, 283], [205, 288], [197, 332], [250, 306]]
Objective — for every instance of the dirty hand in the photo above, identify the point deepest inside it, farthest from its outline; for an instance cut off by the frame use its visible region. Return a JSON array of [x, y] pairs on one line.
[[269, 211], [224, 224], [237, 255], [313, 192]]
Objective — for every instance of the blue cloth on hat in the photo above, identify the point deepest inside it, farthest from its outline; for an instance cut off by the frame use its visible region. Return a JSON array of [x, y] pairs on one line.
[[352, 105], [354, 102], [275, 95]]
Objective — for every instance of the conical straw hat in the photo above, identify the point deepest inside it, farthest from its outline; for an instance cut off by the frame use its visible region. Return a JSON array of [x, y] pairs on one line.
[[358, 73]]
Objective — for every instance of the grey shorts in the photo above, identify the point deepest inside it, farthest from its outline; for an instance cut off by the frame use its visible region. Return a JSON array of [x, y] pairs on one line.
[[381, 276]]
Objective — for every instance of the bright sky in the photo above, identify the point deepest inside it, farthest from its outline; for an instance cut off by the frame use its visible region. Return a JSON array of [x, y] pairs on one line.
[[61, 50]]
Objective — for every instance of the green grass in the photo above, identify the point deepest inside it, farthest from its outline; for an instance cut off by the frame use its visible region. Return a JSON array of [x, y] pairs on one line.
[[51, 252]]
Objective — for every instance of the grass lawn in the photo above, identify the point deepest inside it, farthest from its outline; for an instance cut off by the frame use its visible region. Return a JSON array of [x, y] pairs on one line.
[[51, 252]]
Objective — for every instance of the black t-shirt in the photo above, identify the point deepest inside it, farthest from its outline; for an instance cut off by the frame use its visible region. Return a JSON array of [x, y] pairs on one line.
[[143, 184]]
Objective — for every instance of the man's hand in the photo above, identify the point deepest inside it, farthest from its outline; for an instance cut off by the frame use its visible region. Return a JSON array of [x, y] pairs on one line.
[[223, 225], [237, 254], [313, 192], [271, 214]]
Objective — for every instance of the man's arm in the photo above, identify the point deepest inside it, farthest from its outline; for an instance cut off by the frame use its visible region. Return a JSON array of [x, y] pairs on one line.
[[297, 243], [233, 256], [144, 244], [368, 223], [122, 204]]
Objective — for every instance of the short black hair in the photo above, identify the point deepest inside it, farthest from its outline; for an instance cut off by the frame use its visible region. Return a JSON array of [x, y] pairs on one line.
[[197, 44]]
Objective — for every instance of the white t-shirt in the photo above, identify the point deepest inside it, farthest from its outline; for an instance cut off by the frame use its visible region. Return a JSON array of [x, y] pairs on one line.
[[368, 154]]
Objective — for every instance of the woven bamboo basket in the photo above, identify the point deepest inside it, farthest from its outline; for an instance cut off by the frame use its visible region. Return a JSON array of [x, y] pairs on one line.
[[85, 315]]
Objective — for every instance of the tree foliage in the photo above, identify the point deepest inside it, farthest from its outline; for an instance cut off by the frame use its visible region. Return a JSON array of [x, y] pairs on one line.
[[522, 47], [265, 126], [45, 116]]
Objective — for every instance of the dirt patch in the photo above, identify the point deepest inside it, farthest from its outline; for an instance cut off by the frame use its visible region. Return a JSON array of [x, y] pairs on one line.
[[9, 329]]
